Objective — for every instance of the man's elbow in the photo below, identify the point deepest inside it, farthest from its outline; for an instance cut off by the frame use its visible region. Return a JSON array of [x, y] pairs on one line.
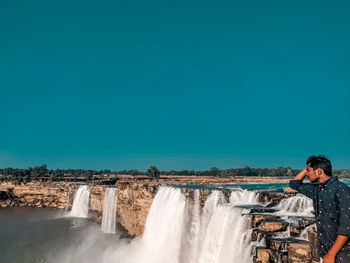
[[294, 184], [344, 231]]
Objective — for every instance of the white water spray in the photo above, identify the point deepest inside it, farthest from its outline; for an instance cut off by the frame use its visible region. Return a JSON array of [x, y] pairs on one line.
[[244, 197], [161, 240], [213, 200], [109, 210], [225, 237], [179, 231], [219, 235], [194, 238], [80, 206], [298, 205]]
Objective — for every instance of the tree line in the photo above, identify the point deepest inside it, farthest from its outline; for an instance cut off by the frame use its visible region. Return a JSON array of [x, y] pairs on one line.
[[43, 173]]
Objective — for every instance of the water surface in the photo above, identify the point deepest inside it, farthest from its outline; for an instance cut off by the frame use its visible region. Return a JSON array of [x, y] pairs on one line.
[[32, 235]]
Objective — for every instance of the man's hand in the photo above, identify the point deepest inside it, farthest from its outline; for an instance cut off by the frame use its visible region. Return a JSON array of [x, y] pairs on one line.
[[329, 258], [332, 253], [301, 175]]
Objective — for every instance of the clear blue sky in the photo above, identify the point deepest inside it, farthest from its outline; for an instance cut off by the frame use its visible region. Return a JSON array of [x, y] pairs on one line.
[[177, 84]]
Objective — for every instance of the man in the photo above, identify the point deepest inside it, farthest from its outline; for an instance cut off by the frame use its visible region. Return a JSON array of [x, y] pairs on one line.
[[331, 201]]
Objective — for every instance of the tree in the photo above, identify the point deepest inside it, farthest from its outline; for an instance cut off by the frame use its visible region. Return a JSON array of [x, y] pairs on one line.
[[56, 175], [134, 172], [88, 175], [153, 172], [214, 171], [38, 171]]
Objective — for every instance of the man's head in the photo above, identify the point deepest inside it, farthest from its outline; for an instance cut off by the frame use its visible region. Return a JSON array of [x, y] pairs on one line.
[[318, 168]]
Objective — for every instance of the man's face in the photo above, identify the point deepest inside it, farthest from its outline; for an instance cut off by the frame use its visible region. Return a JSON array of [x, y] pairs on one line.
[[311, 173]]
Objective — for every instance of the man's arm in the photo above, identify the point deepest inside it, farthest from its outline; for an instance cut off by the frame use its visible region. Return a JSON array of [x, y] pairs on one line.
[[301, 175], [297, 184], [332, 253]]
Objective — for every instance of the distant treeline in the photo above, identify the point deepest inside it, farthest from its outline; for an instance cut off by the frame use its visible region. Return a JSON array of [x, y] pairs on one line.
[[44, 174]]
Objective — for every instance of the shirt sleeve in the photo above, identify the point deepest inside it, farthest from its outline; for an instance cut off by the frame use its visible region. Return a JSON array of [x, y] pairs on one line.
[[343, 197], [306, 189]]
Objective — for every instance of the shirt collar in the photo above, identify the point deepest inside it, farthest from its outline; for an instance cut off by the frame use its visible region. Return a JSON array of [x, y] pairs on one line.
[[329, 181]]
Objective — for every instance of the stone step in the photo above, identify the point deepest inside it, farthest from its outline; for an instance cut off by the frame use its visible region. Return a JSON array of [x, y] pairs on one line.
[[281, 244], [284, 250], [262, 255], [257, 218], [258, 209], [301, 223], [306, 221], [269, 226]]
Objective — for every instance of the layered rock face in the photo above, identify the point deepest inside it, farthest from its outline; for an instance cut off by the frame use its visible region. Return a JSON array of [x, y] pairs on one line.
[[134, 200], [285, 242], [55, 195]]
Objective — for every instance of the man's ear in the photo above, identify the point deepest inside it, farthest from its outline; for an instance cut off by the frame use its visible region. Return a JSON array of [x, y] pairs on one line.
[[319, 171]]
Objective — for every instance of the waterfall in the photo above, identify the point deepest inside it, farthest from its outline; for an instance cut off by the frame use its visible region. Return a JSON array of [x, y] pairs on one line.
[[194, 234], [225, 236], [80, 206], [296, 205], [225, 239], [109, 210], [161, 240], [244, 197], [177, 232]]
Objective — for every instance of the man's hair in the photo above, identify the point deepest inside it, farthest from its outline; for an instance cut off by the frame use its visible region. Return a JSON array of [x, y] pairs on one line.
[[322, 162]]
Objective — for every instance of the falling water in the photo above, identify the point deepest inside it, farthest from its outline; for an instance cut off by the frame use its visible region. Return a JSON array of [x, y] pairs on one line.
[[80, 206], [109, 210], [179, 230], [194, 234], [217, 235], [161, 241], [244, 197], [226, 237], [305, 233], [213, 200], [296, 205]]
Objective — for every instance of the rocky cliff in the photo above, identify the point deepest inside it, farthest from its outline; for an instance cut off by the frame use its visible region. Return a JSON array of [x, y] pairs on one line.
[[134, 199], [134, 202], [55, 195]]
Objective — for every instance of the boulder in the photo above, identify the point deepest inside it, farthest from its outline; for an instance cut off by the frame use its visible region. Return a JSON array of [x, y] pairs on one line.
[[299, 252], [258, 218], [262, 255], [273, 225]]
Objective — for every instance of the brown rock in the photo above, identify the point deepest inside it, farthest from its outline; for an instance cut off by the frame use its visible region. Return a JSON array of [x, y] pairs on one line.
[[273, 225], [294, 231], [299, 252], [304, 222], [262, 255], [257, 219], [257, 235]]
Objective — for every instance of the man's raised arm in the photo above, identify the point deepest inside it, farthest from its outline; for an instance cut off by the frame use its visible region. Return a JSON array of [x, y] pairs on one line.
[[297, 184]]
